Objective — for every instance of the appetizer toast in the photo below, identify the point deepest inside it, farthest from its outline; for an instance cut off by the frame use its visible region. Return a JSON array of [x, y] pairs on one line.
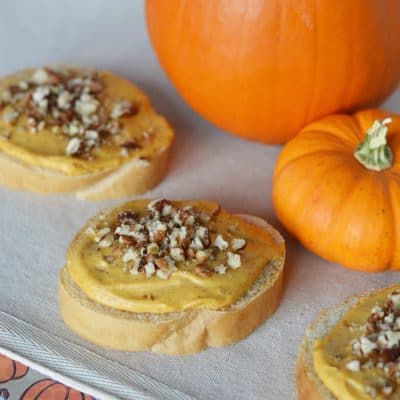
[[76, 130], [352, 351], [171, 276]]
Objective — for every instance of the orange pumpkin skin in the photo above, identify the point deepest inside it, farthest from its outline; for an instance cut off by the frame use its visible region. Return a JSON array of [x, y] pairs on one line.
[[264, 69], [10, 369], [47, 389], [335, 206]]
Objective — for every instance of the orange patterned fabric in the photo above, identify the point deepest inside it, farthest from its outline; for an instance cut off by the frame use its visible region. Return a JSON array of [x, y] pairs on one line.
[[19, 382]]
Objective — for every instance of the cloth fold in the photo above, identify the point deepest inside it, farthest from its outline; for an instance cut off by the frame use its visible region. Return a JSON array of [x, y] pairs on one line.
[[77, 367]]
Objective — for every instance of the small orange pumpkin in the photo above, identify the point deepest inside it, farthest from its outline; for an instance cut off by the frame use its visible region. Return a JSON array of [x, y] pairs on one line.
[[47, 389], [10, 369], [336, 187], [263, 69]]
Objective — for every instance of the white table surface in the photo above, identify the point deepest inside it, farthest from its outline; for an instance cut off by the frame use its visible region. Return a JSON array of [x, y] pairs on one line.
[[206, 163]]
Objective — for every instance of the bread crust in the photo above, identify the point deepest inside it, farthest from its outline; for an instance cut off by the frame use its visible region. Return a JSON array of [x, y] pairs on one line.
[[172, 333], [132, 178], [308, 385]]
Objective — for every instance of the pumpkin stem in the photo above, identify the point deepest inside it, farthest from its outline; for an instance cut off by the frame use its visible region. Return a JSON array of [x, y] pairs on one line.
[[373, 152]]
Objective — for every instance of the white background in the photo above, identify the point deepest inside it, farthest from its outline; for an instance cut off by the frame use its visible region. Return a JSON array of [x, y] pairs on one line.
[[206, 163]]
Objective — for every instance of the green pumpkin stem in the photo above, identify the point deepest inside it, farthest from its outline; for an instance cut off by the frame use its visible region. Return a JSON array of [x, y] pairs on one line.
[[373, 152]]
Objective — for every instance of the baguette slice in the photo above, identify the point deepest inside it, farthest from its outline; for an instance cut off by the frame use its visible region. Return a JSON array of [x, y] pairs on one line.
[[308, 384], [138, 174], [180, 332]]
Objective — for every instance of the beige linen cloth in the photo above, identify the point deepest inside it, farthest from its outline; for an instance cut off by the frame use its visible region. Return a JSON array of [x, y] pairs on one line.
[[35, 230]]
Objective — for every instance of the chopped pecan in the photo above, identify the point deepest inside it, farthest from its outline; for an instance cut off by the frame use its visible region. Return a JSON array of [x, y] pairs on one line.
[[391, 369], [388, 389], [388, 355], [130, 145], [94, 86], [182, 217], [128, 240], [162, 264], [54, 77], [370, 327], [216, 211], [190, 253], [133, 109], [109, 258], [34, 114], [159, 235], [65, 117], [148, 258], [373, 355], [14, 89], [147, 136], [126, 215], [202, 270], [159, 204]]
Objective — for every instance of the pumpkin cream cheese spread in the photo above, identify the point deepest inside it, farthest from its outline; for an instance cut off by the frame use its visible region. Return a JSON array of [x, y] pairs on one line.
[[75, 121], [360, 356], [165, 256]]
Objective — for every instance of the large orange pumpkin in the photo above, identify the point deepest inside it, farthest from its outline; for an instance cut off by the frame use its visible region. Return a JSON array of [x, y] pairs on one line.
[[10, 369], [336, 187], [263, 69], [47, 389]]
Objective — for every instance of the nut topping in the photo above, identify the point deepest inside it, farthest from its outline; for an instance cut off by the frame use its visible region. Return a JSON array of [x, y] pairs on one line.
[[221, 243], [165, 238], [106, 241], [353, 365], [123, 108], [150, 269], [71, 104], [221, 269], [234, 260], [203, 271], [73, 147], [238, 244], [162, 264], [379, 347]]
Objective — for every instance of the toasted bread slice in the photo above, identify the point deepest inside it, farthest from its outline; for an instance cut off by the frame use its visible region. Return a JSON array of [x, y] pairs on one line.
[[124, 153], [179, 332], [308, 384]]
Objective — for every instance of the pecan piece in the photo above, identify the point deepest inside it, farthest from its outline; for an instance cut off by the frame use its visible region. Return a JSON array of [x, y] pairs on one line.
[[126, 215], [190, 253], [159, 235], [202, 270], [388, 355], [54, 78], [133, 110], [159, 204], [161, 264], [94, 86], [216, 211], [128, 240], [130, 145], [65, 117]]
